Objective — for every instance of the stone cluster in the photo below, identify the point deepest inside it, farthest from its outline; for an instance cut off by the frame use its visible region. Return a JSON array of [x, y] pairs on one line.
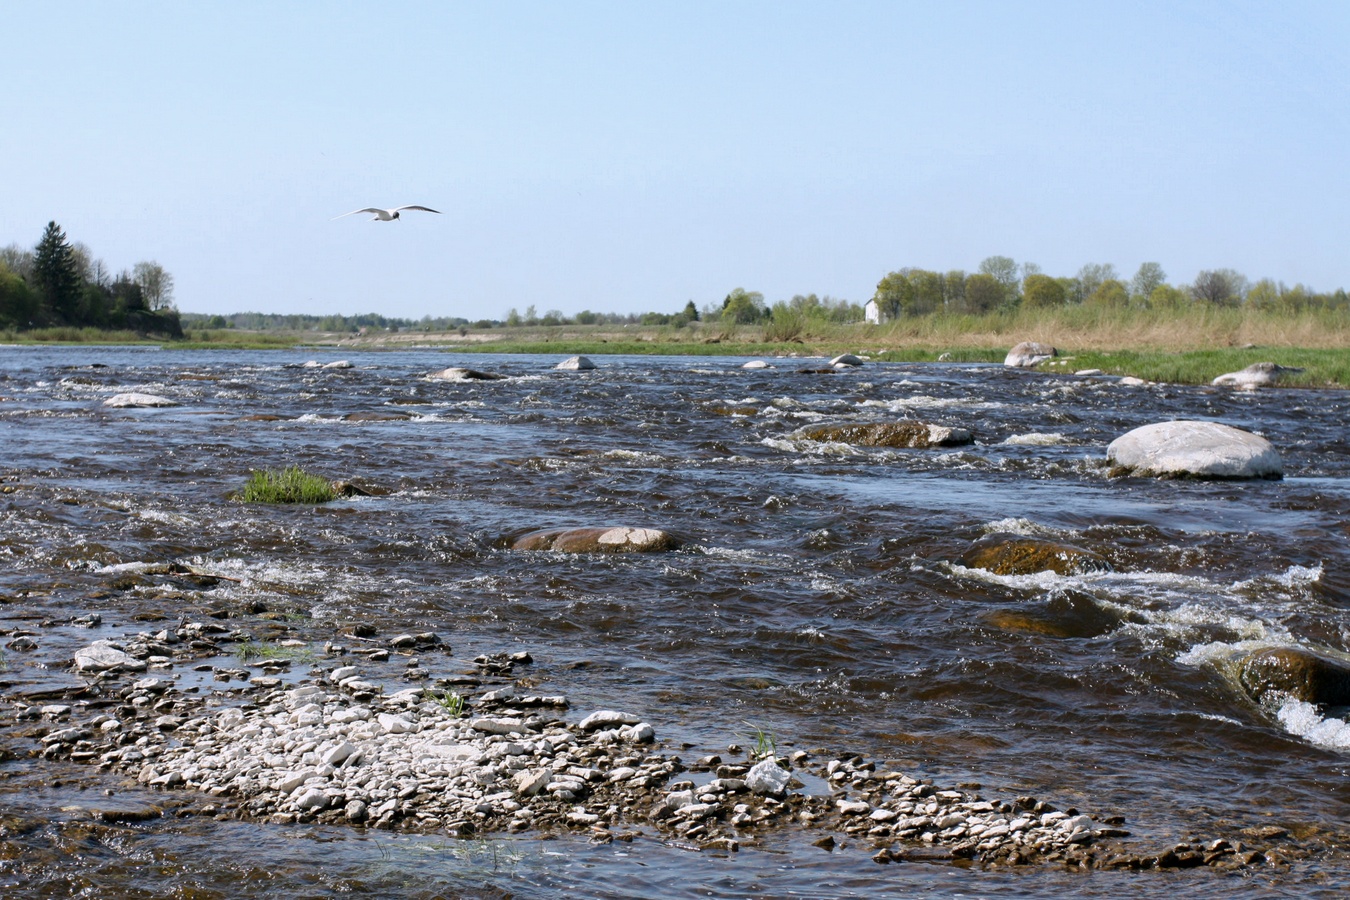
[[334, 748]]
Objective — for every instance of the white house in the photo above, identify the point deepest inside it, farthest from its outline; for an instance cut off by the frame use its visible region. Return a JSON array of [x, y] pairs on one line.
[[872, 313]]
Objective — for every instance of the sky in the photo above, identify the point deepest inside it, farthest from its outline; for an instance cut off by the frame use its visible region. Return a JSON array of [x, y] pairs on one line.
[[633, 156]]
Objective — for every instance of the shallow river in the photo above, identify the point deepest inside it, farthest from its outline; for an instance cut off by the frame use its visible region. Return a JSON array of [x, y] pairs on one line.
[[817, 599]]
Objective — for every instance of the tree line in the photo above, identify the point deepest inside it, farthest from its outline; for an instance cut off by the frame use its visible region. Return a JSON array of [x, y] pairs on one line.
[[1002, 284], [59, 283]]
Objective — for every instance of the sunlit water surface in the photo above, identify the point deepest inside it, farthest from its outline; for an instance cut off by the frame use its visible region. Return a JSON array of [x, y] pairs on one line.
[[818, 597]]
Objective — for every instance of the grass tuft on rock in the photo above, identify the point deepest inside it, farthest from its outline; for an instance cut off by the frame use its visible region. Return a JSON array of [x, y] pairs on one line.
[[291, 485]]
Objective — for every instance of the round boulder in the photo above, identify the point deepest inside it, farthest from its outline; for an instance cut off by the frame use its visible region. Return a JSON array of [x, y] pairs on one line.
[[1294, 672], [575, 364], [1014, 554], [598, 540], [1195, 449], [1029, 354], [891, 434]]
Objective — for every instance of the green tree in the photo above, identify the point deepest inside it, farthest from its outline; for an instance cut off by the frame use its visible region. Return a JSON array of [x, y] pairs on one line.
[[1003, 269], [1164, 296], [18, 305], [894, 295], [743, 307], [1042, 292], [984, 293], [1148, 278], [1110, 294], [954, 290], [1091, 277], [690, 312], [56, 276], [512, 317]]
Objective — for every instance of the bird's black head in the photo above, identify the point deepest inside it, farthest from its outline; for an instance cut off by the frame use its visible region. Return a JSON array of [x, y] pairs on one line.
[[395, 214]]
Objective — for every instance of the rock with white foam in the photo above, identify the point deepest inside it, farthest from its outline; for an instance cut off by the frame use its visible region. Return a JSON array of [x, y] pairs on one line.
[[137, 400]]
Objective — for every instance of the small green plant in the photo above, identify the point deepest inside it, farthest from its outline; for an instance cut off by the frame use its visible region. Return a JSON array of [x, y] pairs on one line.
[[766, 747], [292, 485], [451, 701], [264, 651]]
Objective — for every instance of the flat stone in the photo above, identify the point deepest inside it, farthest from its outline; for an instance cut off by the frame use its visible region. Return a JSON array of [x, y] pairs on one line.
[[607, 718], [891, 434], [102, 657]]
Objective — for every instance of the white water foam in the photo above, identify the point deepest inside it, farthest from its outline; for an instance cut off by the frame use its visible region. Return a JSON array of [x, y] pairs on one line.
[[1306, 721], [1035, 439]]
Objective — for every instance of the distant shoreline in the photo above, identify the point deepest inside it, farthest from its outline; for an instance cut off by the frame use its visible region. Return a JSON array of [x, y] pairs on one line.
[[1191, 346]]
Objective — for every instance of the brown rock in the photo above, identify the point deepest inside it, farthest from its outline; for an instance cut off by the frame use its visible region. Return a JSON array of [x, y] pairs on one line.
[[598, 540], [891, 434], [1297, 673], [1011, 554]]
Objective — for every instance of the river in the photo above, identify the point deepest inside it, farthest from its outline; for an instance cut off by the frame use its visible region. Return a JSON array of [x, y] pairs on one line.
[[818, 599]]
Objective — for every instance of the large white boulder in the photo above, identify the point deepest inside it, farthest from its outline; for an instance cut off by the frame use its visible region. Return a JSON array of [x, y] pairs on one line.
[[134, 399], [1029, 354], [1262, 374], [1198, 449], [575, 364]]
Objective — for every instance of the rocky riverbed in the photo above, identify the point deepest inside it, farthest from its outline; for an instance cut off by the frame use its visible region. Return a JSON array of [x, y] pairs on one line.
[[478, 754]]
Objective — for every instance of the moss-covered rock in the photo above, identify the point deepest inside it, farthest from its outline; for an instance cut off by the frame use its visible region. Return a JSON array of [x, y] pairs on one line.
[[891, 434], [1297, 673], [1012, 554]]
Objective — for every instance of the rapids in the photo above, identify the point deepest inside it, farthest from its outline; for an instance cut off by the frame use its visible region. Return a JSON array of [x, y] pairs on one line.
[[817, 598]]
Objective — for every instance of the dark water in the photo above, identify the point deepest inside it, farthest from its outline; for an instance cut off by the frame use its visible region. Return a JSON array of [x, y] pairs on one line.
[[817, 599]]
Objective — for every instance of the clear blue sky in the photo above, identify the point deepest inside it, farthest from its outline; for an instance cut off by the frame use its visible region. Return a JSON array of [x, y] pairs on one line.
[[632, 156]]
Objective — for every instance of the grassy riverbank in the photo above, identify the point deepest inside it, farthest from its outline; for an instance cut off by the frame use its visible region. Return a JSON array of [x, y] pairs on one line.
[[1190, 346]]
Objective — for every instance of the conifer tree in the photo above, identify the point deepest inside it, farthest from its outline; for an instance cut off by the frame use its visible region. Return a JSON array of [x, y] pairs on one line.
[[56, 276]]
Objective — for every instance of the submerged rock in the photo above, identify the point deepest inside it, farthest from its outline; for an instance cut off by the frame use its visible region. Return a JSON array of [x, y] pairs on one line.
[[598, 540], [756, 364], [1013, 554], [1297, 673], [1029, 354], [1262, 374], [1195, 449], [137, 400], [575, 364], [456, 373], [891, 434]]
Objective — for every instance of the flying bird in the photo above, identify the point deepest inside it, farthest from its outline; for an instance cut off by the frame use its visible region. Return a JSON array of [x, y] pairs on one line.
[[387, 215]]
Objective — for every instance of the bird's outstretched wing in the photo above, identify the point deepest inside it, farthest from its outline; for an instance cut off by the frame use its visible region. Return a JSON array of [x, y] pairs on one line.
[[422, 208], [369, 209]]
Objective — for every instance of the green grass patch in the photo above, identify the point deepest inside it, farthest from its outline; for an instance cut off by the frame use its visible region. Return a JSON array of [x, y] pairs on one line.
[[451, 701], [766, 746], [1322, 368], [291, 485], [265, 651]]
